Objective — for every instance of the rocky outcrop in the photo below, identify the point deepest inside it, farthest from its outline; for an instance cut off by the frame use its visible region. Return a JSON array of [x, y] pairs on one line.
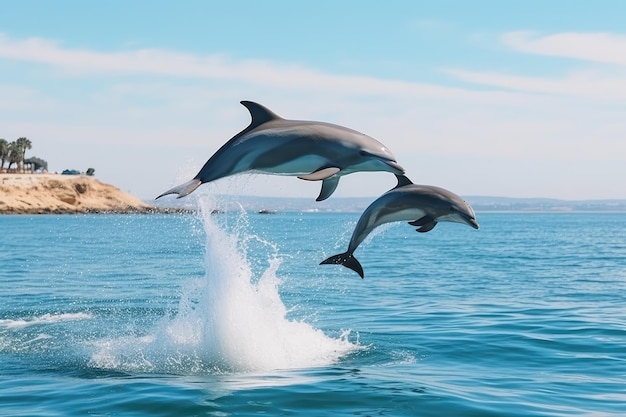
[[53, 193]]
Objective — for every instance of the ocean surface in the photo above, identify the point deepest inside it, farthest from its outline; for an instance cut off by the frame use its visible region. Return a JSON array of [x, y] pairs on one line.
[[230, 314]]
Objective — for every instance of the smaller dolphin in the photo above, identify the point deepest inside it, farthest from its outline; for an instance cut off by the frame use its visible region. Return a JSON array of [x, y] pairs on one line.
[[313, 151], [427, 204]]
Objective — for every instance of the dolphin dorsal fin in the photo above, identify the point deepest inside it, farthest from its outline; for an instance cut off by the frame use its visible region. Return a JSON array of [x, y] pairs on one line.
[[402, 181], [260, 114]]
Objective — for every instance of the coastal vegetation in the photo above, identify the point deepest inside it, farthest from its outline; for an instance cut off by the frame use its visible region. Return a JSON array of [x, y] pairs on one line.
[[14, 155]]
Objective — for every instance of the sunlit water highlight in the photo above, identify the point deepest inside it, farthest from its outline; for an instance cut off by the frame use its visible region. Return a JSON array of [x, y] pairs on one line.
[[43, 319]]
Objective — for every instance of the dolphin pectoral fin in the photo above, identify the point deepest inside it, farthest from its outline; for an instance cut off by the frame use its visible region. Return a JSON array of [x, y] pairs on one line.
[[427, 227], [427, 224], [320, 174], [328, 188], [329, 182], [346, 259], [183, 189], [422, 221]]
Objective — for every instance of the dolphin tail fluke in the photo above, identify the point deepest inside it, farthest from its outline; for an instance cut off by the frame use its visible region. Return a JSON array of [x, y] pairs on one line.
[[346, 259], [183, 189]]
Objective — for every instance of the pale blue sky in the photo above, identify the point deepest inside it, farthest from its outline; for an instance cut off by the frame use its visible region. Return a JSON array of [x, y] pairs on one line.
[[521, 99]]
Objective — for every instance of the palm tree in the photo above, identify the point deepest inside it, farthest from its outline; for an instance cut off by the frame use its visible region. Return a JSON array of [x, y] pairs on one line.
[[23, 143], [4, 152], [15, 153]]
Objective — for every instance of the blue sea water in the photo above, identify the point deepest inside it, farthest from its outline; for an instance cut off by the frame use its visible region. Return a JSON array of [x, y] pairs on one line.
[[230, 314]]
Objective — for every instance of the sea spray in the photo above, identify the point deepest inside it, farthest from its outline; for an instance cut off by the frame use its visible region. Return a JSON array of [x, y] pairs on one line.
[[227, 321]]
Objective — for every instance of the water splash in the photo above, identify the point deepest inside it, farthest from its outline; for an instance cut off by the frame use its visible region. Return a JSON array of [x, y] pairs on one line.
[[226, 321]]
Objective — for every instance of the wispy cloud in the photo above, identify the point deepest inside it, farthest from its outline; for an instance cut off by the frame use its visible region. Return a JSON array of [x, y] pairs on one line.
[[596, 47], [605, 80], [590, 84], [161, 62]]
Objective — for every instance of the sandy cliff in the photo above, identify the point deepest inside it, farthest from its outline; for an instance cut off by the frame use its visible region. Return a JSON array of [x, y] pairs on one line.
[[53, 193]]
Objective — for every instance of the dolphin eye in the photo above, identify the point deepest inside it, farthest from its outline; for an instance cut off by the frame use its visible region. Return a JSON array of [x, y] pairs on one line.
[[363, 153]]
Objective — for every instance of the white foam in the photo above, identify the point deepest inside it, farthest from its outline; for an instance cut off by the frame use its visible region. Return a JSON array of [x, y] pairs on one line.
[[43, 319], [226, 322]]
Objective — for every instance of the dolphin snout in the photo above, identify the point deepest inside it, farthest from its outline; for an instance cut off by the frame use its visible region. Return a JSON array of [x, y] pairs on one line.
[[470, 220], [397, 168]]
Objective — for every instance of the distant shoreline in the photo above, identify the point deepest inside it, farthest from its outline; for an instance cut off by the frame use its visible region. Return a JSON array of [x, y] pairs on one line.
[[81, 194], [481, 204]]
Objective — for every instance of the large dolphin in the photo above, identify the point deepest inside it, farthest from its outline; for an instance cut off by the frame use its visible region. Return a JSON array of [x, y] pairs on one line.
[[313, 151], [426, 205]]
